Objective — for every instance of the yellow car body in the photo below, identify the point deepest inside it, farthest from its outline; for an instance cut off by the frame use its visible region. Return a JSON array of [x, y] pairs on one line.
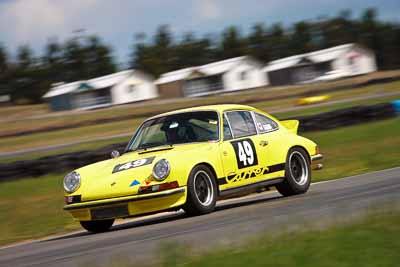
[[125, 186]]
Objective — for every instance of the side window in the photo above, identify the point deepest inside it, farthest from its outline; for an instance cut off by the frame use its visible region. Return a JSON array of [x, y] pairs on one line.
[[242, 123], [265, 124], [227, 130]]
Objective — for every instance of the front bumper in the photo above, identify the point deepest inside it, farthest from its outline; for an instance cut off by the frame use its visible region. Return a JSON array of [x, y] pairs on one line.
[[122, 207], [315, 162]]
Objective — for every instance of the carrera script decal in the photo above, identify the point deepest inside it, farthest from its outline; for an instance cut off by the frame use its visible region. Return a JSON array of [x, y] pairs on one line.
[[133, 164], [252, 173], [257, 172]]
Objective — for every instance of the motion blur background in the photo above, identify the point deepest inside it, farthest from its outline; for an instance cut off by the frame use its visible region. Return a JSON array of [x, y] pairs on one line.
[[78, 77]]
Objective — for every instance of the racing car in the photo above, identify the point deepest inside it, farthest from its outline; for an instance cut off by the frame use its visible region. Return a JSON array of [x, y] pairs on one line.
[[188, 159]]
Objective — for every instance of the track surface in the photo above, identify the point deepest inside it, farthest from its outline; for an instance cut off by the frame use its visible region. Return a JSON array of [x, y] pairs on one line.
[[234, 220]]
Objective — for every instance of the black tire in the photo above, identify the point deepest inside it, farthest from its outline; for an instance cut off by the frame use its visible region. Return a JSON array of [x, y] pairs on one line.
[[297, 173], [202, 200], [97, 226]]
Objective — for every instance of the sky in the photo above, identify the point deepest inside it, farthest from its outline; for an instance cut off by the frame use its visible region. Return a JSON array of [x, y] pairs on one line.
[[33, 22]]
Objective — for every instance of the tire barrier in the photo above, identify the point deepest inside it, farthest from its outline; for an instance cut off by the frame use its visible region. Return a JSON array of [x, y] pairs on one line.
[[346, 117], [55, 164], [66, 162]]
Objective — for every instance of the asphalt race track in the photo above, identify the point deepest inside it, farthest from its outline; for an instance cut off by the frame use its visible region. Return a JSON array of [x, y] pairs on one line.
[[234, 221]]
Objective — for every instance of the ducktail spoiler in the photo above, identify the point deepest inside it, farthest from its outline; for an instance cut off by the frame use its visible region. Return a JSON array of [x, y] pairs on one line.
[[291, 125]]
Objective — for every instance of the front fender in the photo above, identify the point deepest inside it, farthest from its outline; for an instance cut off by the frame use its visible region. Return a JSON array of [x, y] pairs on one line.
[[183, 162]]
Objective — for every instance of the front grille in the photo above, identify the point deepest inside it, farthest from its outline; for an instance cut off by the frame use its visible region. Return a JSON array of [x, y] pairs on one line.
[[109, 212]]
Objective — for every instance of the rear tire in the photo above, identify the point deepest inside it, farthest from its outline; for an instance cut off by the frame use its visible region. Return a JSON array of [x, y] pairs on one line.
[[297, 173], [202, 191], [97, 226]]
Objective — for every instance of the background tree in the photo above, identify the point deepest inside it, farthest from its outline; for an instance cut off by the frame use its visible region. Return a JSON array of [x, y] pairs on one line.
[[258, 43], [3, 60], [301, 39], [192, 51], [53, 61], [4, 71], [99, 58], [279, 42], [232, 44], [28, 77]]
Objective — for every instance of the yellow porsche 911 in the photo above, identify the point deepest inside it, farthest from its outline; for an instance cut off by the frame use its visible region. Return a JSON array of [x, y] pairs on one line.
[[189, 159]]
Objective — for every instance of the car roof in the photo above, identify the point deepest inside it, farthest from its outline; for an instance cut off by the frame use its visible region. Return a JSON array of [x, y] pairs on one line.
[[218, 108]]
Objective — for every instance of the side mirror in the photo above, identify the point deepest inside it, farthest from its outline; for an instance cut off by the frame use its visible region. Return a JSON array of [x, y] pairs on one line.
[[115, 154]]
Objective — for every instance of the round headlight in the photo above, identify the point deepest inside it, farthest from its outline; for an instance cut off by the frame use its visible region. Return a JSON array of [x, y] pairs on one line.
[[161, 169], [72, 181]]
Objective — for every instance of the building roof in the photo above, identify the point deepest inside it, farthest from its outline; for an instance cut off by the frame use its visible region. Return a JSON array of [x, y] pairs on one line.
[[208, 69], [316, 56], [62, 88], [109, 80], [95, 83]]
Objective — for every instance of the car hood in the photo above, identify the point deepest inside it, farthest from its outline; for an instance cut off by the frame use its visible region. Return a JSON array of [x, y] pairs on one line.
[[123, 176]]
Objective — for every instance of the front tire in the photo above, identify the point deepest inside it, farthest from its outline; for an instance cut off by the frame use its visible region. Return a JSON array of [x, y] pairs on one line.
[[297, 173], [97, 226], [202, 191]]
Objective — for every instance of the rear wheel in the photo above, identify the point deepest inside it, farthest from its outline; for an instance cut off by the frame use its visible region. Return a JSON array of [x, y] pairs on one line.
[[97, 226], [202, 191], [297, 173]]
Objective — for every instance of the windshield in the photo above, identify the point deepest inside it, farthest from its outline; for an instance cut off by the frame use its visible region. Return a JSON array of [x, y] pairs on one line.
[[188, 127]]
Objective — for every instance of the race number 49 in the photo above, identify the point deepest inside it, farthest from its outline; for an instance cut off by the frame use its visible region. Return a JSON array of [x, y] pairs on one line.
[[132, 164], [245, 151]]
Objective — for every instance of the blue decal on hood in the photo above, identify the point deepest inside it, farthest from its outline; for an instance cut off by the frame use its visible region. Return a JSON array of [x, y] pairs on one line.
[[135, 182]]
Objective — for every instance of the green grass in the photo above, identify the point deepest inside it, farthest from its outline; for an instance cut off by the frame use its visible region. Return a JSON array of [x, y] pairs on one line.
[[126, 126], [33, 207], [371, 241], [358, 149], [70, 118], [22, 111], [19, 142], [69, 135]]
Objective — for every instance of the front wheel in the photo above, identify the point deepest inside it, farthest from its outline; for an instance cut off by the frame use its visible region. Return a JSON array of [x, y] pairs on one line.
[[97, 226], [202, 191], [297, 173]]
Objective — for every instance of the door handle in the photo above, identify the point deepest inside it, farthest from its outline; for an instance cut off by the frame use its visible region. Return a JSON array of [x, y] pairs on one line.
[[263, 143]]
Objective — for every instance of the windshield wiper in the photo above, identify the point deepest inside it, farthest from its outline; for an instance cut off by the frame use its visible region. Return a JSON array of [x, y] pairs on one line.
[[148, 146], [155, 148]]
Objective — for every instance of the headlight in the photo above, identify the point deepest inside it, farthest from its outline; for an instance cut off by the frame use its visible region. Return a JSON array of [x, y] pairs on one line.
[[161, 169], [72, 181]]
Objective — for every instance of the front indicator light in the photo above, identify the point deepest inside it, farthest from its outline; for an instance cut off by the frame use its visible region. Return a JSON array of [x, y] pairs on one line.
[[158, 187], [317, 150], [72, 199]]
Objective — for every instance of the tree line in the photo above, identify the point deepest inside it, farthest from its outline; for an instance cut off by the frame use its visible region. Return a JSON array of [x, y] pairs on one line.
[[28, 77]]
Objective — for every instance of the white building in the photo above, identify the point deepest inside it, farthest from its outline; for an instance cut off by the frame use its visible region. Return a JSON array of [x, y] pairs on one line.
[[114, 89], [222, 76], [332, 63]]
